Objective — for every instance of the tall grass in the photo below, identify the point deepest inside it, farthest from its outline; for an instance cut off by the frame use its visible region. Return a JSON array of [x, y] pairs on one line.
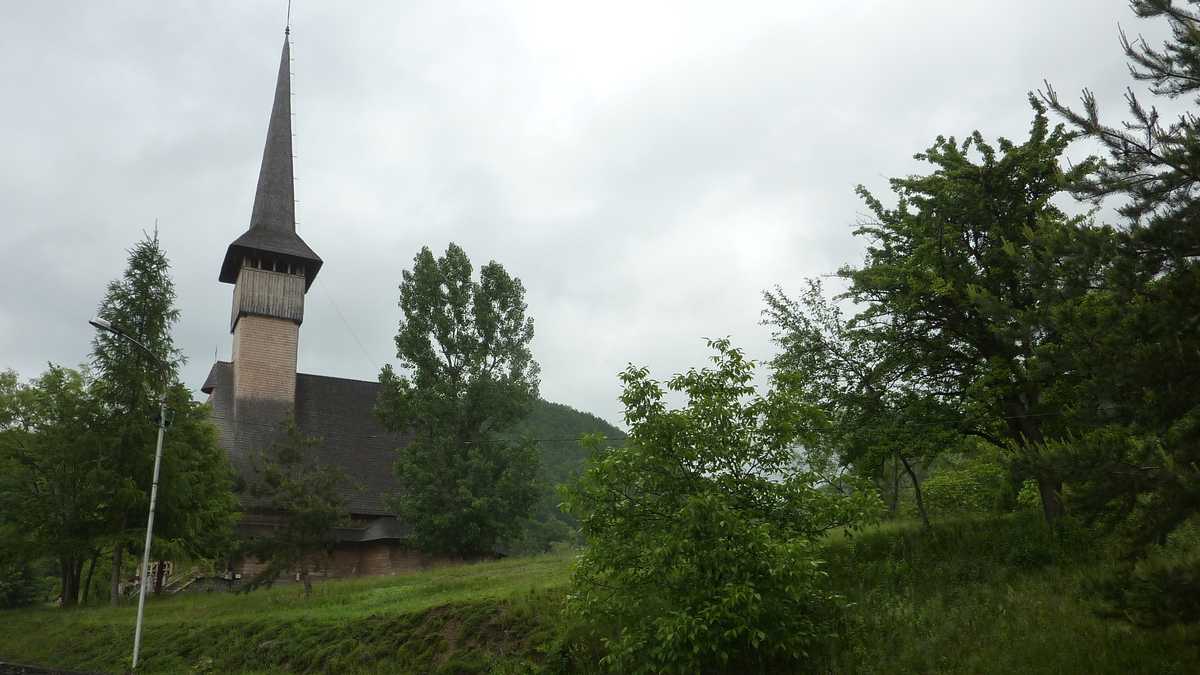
[[988, 595]]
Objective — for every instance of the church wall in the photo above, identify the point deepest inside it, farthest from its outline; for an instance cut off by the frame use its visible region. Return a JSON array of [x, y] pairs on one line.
[[354, 559], [265, 292], [264, 359]]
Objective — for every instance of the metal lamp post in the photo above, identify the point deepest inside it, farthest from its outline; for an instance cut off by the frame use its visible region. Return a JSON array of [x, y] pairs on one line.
[[104, 325]]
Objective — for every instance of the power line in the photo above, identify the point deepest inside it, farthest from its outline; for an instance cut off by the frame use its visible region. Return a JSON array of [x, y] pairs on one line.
[[370, 361]]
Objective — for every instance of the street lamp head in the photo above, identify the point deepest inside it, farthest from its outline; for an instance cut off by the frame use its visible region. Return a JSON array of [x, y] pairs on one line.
[[102, 324]]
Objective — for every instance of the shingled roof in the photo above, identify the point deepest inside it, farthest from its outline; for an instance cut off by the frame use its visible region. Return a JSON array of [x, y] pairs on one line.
[[338, 411], [273, 219]]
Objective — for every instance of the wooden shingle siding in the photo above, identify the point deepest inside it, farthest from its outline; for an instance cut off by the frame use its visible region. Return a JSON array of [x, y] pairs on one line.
[[262, 292], [264, 361]]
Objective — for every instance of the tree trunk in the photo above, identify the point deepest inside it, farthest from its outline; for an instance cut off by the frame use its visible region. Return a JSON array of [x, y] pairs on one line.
[[307, 581], [1052, 504], [70, 581], [64, 592], [895, 505], [87, 585], [916, 491], [158, 577], [114, 591], [1028, 433]]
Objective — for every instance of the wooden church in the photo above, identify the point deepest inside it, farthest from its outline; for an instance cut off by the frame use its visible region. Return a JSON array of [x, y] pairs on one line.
[[271, 269]]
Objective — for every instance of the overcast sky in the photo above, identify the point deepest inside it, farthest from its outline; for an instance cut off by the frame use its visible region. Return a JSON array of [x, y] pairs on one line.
[[647, 168]]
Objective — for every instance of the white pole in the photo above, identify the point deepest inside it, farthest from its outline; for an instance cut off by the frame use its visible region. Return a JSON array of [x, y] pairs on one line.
[[137, 634]]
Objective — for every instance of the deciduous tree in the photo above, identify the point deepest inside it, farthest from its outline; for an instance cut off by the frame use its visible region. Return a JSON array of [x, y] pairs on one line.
[[468, 376], [700, 530], [958, 291], [54, 484]]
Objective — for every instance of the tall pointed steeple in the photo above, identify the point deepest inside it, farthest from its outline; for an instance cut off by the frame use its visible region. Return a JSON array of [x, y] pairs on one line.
[[271, 269], [272, 233]]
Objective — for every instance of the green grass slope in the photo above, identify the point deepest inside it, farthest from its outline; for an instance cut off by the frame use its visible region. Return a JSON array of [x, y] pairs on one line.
[[987, 595], [979, 595], [468, 618]]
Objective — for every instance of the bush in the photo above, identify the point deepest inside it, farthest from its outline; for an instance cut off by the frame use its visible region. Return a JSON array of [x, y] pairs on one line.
[[19, 587], [975, 487], [1028, 498], [1162, 588], [699, 531]]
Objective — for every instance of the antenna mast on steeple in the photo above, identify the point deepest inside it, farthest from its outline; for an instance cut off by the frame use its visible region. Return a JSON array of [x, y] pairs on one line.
[[287, 23], [271, 239]]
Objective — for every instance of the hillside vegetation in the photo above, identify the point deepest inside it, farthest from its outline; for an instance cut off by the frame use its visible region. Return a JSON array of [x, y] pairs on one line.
[[980, 595], [467, 618], [556, 429]]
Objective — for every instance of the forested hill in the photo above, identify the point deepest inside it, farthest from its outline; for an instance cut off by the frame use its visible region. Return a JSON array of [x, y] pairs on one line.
[[556, 429]]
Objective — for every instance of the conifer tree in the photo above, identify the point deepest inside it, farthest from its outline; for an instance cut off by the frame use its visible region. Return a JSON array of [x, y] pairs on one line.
[[196, 504], [1136, 339], [307, 497]]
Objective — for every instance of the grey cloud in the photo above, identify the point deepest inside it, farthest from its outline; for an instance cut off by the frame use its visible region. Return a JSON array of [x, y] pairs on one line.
[[647, 170]]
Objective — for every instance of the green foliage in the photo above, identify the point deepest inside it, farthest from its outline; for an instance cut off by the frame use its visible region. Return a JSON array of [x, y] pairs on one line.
[[488, 617], [955, 335], [958, 291], [58, 477], [865, 412], [966, 272], [470, 378], [976, 485], [19, 586], [54, 480], [700, 529], [1135, 341], [986, 595], [307, 498], [196, 509], [978, 594], [557, 429], [1160, 590], [129, 381], [1028, 498]]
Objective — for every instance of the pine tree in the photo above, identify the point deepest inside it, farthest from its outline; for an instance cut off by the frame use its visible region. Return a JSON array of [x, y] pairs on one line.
[[1136, 339], [196, 506], [308, 499]]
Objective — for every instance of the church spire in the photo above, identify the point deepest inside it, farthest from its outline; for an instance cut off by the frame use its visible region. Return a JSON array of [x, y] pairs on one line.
[[275, 199], [272, 230]]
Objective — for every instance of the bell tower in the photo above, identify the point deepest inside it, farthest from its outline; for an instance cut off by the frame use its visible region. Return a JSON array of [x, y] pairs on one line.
[[271, 269]]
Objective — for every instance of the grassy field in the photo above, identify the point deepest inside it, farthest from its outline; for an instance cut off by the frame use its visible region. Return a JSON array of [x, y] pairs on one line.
[[987, 595], [454, 619], [971, 596]]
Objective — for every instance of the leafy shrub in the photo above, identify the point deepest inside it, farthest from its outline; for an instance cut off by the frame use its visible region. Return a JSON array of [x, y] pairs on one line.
[[19, 587], [699, 531], [974, 487], [1028, 497]]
